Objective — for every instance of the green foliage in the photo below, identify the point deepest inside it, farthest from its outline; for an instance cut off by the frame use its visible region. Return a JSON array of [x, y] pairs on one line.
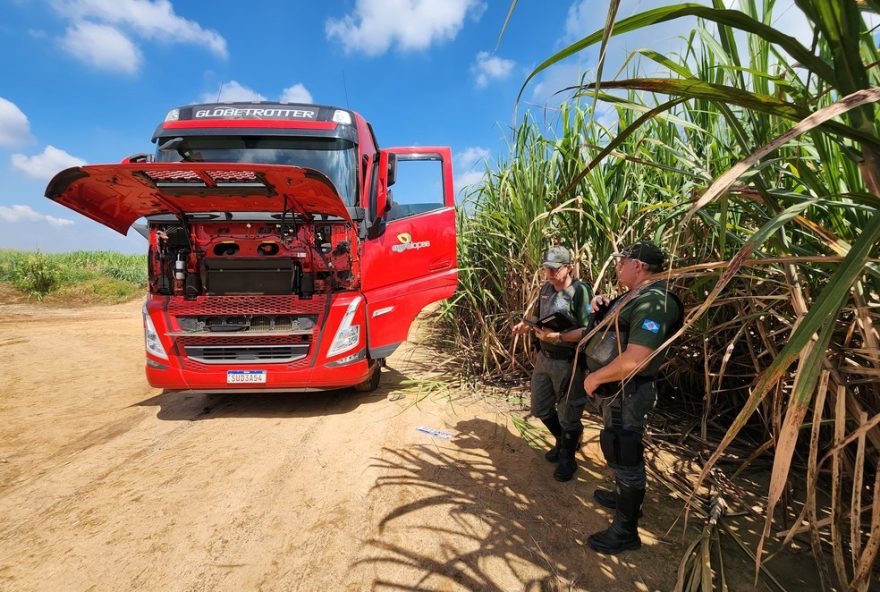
[[787, 243], [508, 222], [109, 276], [35, 274]]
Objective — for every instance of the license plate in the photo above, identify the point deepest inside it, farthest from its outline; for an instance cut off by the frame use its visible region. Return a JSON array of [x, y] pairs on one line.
[[245, 376]]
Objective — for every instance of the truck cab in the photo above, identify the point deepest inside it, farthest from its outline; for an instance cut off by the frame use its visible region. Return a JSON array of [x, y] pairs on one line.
[[278, 259]]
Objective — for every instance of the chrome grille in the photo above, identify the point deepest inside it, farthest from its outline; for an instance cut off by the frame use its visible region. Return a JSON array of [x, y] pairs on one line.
[[241, 339], [223, 354], [190, 344], [244, 324]]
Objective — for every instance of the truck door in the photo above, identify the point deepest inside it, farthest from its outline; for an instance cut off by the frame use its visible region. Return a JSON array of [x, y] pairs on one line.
[[409, 260]]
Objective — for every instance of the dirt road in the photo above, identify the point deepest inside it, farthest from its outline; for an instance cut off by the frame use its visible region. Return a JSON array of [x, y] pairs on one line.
[[108, 484]]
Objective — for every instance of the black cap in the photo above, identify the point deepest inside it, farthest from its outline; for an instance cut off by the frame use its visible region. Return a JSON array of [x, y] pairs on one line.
[[644, 251]]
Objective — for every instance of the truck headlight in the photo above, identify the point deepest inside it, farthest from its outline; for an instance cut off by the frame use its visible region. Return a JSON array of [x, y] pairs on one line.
[[347, 335], [151, 337]]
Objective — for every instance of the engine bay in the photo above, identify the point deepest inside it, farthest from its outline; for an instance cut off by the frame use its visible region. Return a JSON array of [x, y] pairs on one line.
[[279, 255]]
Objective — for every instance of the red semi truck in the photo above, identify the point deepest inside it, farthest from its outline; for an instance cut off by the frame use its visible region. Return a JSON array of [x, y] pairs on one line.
[[278, 259]]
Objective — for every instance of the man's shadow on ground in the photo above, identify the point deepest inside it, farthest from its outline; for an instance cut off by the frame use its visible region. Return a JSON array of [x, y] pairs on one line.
[[503, 506]]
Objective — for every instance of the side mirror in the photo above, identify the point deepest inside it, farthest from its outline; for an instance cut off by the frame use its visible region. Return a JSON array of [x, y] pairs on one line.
[[382, 189], [392, 168], [387, 176]]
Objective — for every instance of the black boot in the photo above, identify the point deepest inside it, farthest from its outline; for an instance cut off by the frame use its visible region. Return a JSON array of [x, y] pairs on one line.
[[555, 428], [571, 442], [607, 499], [624, 531]]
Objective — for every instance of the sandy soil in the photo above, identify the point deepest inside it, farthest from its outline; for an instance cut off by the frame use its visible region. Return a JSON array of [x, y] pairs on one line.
[[108, 484]]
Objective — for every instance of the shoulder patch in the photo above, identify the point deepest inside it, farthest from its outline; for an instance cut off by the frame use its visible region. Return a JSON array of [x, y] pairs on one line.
[[651, 326]]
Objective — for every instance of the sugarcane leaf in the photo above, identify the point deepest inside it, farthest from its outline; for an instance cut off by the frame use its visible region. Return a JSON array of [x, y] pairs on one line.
[[506, 22], [680, 69], [619, 139], [693, 88], [839, 23], [728, 94], [733, 267], [804, 386], [867, 562], [613, 5], [725, 181], [826, 306], [732, 18]]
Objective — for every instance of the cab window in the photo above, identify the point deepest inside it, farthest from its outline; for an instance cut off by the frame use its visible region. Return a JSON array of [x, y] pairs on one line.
[[418, 188]]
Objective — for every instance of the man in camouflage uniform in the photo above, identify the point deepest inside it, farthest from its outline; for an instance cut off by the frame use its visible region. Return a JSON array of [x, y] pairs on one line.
[[623, 363], [552, 377]]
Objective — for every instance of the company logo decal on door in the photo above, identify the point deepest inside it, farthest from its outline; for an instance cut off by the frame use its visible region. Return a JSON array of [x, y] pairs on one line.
[[406, 243]]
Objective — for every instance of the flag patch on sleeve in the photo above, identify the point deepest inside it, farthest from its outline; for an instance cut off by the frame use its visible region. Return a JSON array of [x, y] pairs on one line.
[[651, 326]]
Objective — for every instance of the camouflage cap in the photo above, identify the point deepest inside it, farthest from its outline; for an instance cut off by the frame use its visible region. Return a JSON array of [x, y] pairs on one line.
[[644, 251], [557, 257]]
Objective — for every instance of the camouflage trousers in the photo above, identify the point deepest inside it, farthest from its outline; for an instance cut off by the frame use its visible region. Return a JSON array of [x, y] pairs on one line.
[[625, 409], [551, 380]]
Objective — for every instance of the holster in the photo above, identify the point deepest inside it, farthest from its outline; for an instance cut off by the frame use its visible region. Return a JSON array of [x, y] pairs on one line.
[[622, 447]]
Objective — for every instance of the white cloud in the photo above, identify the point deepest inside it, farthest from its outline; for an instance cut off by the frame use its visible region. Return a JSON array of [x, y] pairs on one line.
[[150, 19], [581, 20], [469, 157], [102, 46], [44, 166], [296, 94], [14, 126], [470, 165], [22, 213], [410, 24], [489, 67], [468, 179], [232, 91]]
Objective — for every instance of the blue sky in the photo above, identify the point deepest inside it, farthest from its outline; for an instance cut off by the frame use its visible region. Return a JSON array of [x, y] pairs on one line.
[[87, 81]]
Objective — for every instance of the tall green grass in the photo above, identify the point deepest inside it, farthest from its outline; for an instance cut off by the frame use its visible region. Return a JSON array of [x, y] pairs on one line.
[[102, 275], [777, 264]]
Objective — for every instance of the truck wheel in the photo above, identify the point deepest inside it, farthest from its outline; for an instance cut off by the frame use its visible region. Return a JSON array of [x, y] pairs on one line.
[[372, 383]]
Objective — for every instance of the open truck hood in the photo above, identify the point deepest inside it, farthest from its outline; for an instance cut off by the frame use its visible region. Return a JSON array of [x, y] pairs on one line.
[[118, 194]]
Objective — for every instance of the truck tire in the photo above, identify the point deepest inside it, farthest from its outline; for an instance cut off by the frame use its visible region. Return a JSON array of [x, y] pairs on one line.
[[372, 383]]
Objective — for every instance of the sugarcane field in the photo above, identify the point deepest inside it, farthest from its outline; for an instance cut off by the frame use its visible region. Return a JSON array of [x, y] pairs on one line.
[[596, 309]]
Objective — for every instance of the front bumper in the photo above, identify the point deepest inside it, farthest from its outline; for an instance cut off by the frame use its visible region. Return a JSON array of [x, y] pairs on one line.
[[316, 371], [318, 378]]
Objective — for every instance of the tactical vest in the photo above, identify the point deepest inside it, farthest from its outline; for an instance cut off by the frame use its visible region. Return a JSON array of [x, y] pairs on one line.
[[611, 340], [549, 302]]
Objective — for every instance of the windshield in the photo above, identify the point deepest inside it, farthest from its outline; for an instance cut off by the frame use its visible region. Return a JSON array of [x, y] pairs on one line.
[[334, 157]]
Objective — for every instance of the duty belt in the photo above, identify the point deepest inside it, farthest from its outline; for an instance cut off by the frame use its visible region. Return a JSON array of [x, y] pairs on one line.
[[611, 388], [559, 355]]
